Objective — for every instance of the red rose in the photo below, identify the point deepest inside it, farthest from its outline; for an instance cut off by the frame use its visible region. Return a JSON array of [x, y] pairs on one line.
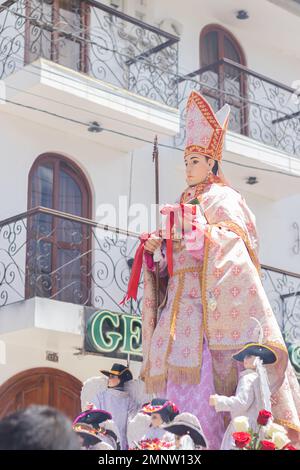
[[241, 439], [267, 445], [263, 417], [289, 447]]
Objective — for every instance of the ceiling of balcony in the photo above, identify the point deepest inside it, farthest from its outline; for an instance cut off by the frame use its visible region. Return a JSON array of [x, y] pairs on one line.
[[266, 19]]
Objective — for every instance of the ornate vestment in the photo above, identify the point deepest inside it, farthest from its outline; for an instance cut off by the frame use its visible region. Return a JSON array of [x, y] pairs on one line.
[[232, 293]]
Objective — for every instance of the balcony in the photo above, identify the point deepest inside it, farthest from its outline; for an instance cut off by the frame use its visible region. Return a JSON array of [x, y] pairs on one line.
[[84, 59], [261, 109], [92, 38], [50, 255], [125, 70]]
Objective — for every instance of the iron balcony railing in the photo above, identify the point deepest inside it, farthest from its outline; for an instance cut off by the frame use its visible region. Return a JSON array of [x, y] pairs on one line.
[[92, 38], [261, 108], [47, 253], [106, 44], [51, 254]]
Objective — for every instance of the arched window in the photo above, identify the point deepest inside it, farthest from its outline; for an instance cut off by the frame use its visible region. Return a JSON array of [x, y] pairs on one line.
[[226, 82], [58, 254]]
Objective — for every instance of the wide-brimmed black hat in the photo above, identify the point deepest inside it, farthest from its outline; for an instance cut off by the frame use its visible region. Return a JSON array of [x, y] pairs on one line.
[[165, 408], [93, 417], [119, 370], [266, 354], [187, 423]]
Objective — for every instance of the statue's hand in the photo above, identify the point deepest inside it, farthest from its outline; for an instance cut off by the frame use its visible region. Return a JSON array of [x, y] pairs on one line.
[[152, 243]]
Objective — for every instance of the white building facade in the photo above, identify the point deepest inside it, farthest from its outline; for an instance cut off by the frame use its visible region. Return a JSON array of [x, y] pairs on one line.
[[85, 87]]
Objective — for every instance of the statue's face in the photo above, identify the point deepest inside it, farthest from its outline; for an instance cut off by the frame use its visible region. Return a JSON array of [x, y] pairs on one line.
[[156, 420], [197, 169], [249, 362], [113, 381]]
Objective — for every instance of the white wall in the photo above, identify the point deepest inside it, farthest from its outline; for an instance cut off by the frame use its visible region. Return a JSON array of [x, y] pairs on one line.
[[23, 141], [20, 358], [269, 37]]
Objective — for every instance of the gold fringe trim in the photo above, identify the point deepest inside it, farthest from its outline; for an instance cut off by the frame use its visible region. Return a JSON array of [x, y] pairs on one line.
[[186, 375], [155, 384], [178, 375]]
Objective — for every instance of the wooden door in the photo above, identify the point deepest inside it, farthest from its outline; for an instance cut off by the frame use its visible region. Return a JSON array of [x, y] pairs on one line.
[[41, 386]]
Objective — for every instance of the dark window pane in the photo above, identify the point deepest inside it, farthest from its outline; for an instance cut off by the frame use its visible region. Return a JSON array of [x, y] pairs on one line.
[[42, 186], [210, 48], [42, 195], [230, 51], [70, 201]]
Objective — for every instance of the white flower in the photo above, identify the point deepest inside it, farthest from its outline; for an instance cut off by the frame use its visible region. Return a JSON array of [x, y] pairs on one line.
[[280, 439], [241, 424], [272, 428]]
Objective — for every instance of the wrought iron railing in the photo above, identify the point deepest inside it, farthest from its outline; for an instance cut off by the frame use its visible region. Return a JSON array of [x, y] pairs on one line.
[[47, 253], [283, 291], [261, 108], [106, 44], [92, 38]]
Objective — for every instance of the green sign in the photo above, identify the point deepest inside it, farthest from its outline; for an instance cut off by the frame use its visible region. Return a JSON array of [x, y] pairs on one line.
[[114, 334]]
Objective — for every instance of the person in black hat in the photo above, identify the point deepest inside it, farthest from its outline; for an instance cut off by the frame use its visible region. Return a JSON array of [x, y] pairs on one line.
[[188, 432], [160, 409], [97, 430], [117, 376], [149, 422], [252, 393], [113, 395]]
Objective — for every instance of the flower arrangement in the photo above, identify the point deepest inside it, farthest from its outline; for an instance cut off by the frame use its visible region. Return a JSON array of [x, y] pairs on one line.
[[152, 444], [269, 435]]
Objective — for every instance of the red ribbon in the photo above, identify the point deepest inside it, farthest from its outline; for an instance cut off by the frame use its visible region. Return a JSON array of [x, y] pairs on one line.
[[135, 271], [138, 258]]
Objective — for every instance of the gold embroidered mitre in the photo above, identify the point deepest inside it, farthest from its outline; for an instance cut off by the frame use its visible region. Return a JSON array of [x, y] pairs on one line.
[[205, 129]]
